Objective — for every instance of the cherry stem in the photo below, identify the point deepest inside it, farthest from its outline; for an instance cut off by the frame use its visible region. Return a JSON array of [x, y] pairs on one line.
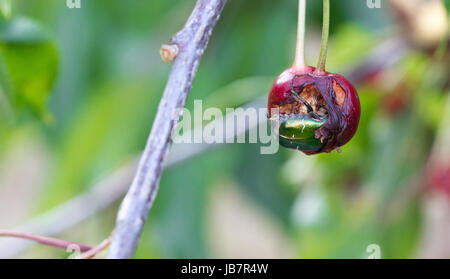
[[49, 241], [299, 62], [325, 34]]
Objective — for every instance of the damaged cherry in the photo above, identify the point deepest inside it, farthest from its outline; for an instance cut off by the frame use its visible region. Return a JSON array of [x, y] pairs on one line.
[[318, 111]]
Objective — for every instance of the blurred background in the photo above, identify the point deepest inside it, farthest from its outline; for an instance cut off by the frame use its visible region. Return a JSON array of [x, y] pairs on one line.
[[80, 89]]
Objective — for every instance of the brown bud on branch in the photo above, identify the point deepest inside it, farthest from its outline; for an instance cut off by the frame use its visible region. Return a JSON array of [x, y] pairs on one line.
[[168, 52]]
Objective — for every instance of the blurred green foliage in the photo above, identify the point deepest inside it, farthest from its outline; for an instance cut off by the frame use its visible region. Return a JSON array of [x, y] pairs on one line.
[[99, 76], [29, 64]]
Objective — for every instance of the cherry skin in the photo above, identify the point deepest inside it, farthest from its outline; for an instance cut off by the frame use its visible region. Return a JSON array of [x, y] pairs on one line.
[[281, 87]]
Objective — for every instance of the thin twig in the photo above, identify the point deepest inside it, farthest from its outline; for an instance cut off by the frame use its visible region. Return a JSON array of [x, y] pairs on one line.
[[49, 241], [192, 41], [96, 250]]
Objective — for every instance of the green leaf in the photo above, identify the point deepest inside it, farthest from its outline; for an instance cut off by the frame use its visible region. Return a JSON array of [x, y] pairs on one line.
[[28, 65]]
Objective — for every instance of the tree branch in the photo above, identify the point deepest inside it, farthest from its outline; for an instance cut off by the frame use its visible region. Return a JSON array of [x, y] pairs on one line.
[[191, 41]]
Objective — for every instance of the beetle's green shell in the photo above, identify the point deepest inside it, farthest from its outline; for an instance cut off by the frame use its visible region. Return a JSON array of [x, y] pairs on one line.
[[299, 133]]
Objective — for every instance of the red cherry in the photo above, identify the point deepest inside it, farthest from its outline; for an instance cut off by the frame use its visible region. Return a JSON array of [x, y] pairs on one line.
[[307, 94]]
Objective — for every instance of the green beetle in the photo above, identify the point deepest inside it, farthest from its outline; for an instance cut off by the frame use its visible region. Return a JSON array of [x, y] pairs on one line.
[[299, 133]]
